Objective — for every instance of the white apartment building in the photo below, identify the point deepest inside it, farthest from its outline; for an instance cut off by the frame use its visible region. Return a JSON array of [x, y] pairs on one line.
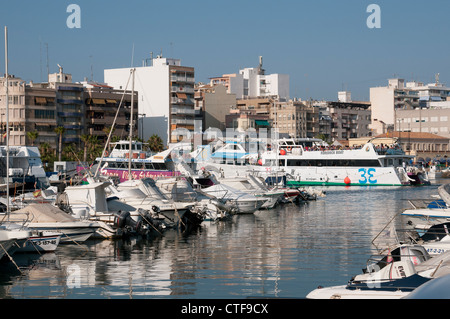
[[253, 82], [385, 101], [433, 120], [166, 96]]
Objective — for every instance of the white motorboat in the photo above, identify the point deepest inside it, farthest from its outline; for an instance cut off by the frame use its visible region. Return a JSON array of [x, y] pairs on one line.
[[48, 218], [435, 212], [12, 238], [116, 218], [25, 166], [38, 241], [42, 241], [391, 275], [180, 189], [433, 289], [144, 194], [436, 239], [251, 186], [243, 202]]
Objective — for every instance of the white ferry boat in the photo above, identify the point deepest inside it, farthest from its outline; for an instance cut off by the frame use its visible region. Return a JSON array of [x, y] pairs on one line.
[[306, 162], [366, 166]]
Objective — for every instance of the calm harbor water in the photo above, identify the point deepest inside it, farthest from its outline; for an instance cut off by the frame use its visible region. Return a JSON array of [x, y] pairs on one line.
[[280, 253]]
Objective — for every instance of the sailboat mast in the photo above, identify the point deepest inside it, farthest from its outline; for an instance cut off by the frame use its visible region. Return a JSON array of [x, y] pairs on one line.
[[130, 156], [7, 119]]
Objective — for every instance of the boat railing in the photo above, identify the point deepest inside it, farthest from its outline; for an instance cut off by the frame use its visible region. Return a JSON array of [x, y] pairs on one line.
[[427, 203]]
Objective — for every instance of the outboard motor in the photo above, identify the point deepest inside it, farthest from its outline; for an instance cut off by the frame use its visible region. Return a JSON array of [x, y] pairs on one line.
[[124, 221], [150, 222]]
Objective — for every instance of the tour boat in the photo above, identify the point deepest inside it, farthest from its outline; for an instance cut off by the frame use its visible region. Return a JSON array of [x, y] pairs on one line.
[[116, 164], [365, 166]]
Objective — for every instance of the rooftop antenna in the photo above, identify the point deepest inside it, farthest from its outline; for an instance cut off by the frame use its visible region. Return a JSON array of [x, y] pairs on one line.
[[92, 69], [437, 78], [260, 69]]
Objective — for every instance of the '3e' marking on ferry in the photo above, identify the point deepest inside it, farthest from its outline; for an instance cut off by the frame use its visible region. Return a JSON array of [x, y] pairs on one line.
[[367, 176]]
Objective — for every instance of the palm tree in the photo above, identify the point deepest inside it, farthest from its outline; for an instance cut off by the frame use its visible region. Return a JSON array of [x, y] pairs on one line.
[[85, 138], [155, 143], [95, 148], [60, 131], [32, 136], [47, 156]]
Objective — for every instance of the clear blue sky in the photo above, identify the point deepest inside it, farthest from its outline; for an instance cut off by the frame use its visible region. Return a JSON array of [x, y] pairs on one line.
[[325, 46]]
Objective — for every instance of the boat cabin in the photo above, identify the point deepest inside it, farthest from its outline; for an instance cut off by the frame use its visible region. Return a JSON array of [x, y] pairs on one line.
[[314, 153], [122, 149]]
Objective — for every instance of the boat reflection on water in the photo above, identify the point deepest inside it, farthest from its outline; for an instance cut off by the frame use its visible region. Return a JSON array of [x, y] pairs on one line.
[[285, 252]]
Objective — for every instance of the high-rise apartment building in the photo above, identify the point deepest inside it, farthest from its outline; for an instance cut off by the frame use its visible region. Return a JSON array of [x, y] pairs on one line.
[[80, 108], [31, 108], [166, 96]]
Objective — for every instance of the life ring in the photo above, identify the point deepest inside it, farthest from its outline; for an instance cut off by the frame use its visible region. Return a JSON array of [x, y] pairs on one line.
[[106, 153], [289, 148]]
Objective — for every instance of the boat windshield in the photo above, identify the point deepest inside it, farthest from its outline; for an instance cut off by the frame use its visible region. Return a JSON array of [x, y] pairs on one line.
[[126, 146]]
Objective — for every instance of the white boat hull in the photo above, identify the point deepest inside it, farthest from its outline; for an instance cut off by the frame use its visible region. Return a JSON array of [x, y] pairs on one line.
[[41, 243], [246, 206], [341, 292], [76, 232], [425, 218]]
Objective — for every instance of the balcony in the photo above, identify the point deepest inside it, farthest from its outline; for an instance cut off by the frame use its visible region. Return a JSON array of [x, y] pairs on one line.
[[188, 79], [182, 110], [182, 121], [181, 89]]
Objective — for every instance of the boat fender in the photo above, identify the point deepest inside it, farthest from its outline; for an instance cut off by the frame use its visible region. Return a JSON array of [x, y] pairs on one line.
[[347, 180]]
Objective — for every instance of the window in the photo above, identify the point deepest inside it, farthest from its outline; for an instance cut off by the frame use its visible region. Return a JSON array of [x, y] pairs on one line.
[[349, 163], [44, 114]]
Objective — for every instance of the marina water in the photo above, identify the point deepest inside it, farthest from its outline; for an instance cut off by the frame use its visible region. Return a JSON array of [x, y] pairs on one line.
[[281, 253]]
